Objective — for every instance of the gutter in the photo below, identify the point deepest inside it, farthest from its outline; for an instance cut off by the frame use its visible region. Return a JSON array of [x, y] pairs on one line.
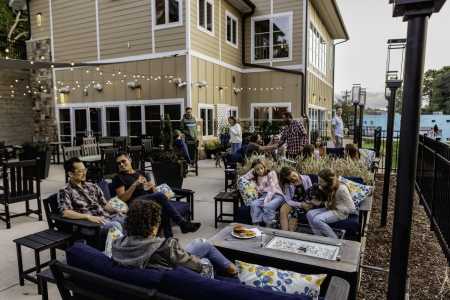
[[334, 65], [245, 64], [29, 19]]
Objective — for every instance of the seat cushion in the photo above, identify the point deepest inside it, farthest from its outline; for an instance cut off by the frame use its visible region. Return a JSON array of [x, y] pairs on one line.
[[92, 260], [196, 287], [350, 225]]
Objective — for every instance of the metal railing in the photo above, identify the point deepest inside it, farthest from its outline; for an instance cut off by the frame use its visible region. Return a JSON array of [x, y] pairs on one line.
[[433, 187], [12, 49], [370, 140]]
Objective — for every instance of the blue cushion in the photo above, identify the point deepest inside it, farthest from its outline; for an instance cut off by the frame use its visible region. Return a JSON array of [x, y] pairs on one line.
[[92, 260], [350, 225], [182, 207], [196, 287], [104, 186]]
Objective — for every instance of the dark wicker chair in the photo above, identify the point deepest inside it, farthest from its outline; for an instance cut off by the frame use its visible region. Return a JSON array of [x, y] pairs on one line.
[[108, 162], [136, 154]]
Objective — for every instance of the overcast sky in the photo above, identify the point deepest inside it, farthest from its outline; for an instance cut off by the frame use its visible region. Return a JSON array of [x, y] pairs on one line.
[[370, 24]]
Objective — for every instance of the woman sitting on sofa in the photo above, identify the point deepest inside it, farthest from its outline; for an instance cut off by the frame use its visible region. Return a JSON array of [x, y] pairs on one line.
[[142, 248], [338, 204]]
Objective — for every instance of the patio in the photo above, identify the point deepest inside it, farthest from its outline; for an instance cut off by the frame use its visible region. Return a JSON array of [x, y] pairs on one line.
[[207, 185]]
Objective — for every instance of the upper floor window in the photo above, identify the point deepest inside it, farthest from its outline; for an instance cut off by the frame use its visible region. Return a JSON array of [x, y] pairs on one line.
[[232, 29], [317, 50], [206, 15], [272, 37], [168, 13]]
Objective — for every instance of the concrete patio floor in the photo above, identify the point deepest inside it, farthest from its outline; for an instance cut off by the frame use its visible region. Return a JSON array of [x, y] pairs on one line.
[[209, 182]]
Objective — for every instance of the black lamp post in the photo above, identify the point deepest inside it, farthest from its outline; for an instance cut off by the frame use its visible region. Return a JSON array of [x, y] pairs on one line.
[[356, 94], [362, 103], [393, 83], [416, 13]]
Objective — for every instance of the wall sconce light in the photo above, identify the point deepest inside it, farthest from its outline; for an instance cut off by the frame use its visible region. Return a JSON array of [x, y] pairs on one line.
[[65, 89], [39, 19], [179, 82], [133, 84], [98, 87], [85, 91], [201, 83], [237, 90]]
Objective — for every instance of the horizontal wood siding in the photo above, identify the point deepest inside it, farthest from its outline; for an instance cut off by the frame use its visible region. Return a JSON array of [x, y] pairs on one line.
[[265, 84], [119, 91], [216, 76], [202, 41], [74, 30], [319, 93], [43, 31], [125, 28], [172, 39], [230, 54]]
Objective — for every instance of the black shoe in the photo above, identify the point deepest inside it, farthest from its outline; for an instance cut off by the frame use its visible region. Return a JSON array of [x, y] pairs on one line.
[[189, 227]]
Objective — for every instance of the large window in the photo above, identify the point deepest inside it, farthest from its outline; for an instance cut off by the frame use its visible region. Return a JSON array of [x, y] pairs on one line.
[[134, 119], [232, 29], [64, 125], [268, 113], [112, 121], [317, 121], [206, 15], [317, 50], [207, 116], [168, 13], [272, 37]]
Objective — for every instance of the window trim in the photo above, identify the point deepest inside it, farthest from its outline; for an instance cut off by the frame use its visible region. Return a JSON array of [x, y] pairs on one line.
[[233, 18], [207, 107], [270, 18], [201, 28], [167, 24], [254, 105]]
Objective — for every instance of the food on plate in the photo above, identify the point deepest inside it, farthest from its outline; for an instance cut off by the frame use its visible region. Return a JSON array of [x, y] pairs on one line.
[[243, 231]]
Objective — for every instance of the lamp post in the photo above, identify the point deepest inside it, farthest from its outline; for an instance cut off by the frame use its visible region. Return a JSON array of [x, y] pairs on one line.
[[356, 94], [393, 83], [416, 13], [362, 103]]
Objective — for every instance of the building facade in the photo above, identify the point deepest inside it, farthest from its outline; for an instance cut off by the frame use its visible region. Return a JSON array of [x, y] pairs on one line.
[[251, 59]]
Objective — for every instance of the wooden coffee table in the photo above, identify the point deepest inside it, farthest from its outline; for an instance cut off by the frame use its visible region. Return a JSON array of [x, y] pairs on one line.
[[251, 250]]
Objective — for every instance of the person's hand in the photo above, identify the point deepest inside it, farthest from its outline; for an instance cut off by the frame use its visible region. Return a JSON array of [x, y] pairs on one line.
[[140, 180], [149, 186], [96, 220], [168, 195]]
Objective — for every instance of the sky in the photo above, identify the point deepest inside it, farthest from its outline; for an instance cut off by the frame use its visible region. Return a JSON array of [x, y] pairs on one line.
[[370, 24]]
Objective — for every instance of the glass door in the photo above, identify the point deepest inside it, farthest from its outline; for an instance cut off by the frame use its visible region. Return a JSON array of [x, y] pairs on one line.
[[95, 115], [81, 125]]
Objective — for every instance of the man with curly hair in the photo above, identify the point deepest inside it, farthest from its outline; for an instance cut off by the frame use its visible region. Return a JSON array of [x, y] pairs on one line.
[[131, 185], [142, 248]]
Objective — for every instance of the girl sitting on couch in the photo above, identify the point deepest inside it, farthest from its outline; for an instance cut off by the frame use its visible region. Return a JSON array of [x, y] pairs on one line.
[[270, 197], [338, 204], [142, 248]]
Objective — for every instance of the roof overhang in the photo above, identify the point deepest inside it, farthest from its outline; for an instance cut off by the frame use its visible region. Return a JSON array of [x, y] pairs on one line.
[[244, 6], [331, 17]]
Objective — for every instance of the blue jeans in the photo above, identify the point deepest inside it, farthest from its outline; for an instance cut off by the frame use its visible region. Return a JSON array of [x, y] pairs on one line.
[[319, 218], [204, 249], [266, 213], [235, 147], [182, 147]]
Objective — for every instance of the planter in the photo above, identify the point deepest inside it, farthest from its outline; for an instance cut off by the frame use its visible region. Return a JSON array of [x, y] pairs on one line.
[[169, 172], [43, 160]]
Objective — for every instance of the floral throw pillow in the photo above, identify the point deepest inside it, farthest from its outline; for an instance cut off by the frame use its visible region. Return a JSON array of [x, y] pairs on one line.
[[279, 280], [367, 156], [247, 189], [358, 191], [119, 204]]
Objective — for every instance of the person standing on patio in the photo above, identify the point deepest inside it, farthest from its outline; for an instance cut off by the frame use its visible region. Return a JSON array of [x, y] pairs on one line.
[[131, 185], [189, 125], [337, 129], [81, 200], [235, 134], [294, 135]]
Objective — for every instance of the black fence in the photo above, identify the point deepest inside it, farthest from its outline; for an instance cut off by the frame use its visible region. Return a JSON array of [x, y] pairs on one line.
[[433, 187], [375, 141], [12, 49]]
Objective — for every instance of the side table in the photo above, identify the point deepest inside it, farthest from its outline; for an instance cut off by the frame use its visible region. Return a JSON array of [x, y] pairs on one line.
[[219, 199]]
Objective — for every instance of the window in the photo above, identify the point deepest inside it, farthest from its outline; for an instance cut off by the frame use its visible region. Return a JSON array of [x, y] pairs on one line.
[[95, 115], [64, 125], [317, 121], [134, 119], [232, 29], [112, 121], [206, 16], [317, 50], [167, 13], [272, 37], [273, 113], [207, 115]]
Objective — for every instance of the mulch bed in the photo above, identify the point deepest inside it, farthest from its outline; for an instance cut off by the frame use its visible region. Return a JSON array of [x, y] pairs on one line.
[[428, 267]]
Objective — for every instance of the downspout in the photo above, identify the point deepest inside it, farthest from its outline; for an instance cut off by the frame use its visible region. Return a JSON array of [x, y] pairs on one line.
[[305, 67]]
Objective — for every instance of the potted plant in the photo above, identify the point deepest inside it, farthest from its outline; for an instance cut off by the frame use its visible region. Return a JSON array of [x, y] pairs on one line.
[[211, 147], [41, 152]]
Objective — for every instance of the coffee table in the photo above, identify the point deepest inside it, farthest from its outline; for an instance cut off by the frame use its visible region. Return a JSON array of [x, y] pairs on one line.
[[251, 250]]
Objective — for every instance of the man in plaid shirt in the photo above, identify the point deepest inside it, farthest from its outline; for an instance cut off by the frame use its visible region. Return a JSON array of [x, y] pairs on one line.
[[294, 135]]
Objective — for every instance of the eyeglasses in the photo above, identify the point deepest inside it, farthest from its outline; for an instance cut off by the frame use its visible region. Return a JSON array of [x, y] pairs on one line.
[[80, 171], [121, 162]]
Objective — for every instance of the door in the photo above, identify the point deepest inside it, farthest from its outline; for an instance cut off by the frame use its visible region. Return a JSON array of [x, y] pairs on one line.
[[81, 124]]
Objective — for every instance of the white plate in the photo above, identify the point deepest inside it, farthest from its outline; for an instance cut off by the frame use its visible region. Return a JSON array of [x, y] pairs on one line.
[[242, 237]]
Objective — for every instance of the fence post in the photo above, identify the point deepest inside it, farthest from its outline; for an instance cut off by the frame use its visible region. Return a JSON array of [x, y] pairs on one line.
[[433, 191]]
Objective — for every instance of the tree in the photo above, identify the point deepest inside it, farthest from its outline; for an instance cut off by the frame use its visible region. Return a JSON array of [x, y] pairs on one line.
[[13, 22], [436, 86]]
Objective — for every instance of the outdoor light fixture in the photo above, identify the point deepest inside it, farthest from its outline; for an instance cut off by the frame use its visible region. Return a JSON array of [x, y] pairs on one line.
[[201, 83], [179, 82], [65, 90], [356, 94], [394, 63], [98, 86], [363, 97], [405, 8], [133, 84], [39, 20]]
